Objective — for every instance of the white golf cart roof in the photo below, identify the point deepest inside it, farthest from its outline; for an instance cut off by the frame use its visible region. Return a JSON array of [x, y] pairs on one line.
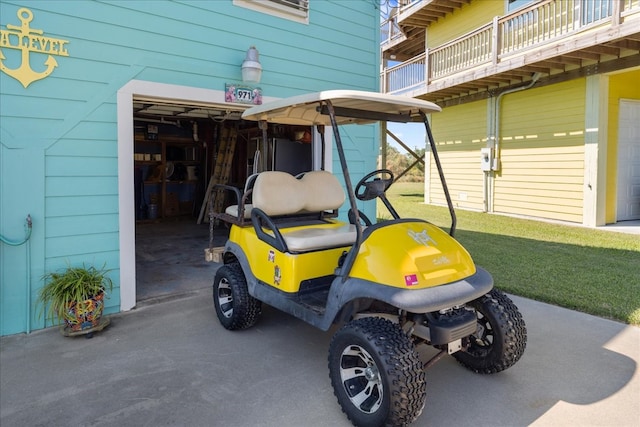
[[351, 106]]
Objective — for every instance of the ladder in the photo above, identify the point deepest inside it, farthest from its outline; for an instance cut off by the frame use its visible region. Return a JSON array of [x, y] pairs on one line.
[[221, 172]]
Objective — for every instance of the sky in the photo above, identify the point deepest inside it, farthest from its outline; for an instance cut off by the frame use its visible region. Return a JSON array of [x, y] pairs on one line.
[[412, 134]]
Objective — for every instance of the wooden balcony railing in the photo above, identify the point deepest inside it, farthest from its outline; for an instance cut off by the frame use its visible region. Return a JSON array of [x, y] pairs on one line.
[[460, 54], [513, 34], [389, 31], [406, 75]]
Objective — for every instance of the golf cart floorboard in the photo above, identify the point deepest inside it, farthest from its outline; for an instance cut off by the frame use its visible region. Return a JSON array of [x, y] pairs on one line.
[[314, 293], [315, 301]]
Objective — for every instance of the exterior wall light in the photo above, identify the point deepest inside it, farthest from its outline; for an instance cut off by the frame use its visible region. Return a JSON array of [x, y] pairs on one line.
[[251, 67]]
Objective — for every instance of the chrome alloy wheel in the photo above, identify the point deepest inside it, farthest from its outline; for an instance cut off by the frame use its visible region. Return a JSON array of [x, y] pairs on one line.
[[361, 379], [225, 298]]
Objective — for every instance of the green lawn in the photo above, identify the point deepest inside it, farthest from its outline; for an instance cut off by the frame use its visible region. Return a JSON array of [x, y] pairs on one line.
[[589, 270]]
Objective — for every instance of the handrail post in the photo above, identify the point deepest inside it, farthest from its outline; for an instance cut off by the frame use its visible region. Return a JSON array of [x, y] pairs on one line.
[[616, 10], [495, 38], [383, 83], [427, 69]]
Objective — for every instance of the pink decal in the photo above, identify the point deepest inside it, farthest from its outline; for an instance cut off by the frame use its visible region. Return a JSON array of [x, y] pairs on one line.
[[411, 279]]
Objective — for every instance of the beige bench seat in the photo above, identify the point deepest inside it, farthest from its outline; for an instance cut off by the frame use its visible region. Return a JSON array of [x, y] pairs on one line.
[[319, 237], [279, 194]]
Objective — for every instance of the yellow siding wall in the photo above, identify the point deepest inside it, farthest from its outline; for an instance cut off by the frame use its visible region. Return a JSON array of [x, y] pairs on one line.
[[621, 86], [542, 152], [464, 20], [459, 132]]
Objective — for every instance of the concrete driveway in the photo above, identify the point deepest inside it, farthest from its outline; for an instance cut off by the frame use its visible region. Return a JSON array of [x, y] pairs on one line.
[[172, 364]]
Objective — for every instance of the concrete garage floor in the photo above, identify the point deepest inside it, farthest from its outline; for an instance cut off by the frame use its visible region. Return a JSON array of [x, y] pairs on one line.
[[170, 258]]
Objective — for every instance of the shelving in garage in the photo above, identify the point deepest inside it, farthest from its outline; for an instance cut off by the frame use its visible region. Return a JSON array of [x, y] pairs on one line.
[[167, 171]]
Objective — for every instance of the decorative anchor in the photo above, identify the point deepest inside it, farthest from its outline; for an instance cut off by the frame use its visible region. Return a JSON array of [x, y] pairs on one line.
[[29, 40]]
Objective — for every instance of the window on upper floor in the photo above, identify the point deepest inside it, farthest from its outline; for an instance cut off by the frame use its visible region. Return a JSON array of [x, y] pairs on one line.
[[594, 10], [587, 11], [295, 10], [517, 4]]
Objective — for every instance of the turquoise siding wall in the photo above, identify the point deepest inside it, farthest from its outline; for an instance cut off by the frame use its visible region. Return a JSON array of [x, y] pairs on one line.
[[58, 137]]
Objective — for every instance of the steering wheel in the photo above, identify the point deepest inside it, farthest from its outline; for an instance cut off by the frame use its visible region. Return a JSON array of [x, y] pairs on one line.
[[369, 190]]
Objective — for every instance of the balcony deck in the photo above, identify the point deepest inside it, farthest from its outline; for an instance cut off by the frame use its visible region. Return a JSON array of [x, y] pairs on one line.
[[550, 37]]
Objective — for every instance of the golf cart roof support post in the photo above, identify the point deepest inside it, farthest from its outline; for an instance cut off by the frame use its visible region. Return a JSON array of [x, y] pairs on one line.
[[389, 206], [264, 126], [384, 131], [351, 256], [436, 158], [320, 129]]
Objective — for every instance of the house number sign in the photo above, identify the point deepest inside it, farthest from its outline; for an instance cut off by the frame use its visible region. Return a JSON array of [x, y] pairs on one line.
[[28, 40], [242, 94]]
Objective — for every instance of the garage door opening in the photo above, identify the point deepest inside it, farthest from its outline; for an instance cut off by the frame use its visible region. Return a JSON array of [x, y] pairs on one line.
[[180, 150], [176, 170]]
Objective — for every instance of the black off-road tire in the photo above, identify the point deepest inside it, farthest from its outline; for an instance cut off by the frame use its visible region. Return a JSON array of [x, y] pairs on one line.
[[376, 373], [501, 336], [236, 309]]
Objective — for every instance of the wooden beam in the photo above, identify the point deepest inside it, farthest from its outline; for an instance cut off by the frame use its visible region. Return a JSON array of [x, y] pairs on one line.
[[518, 72], [448, 92], [467, 86], [626, 44], [567, 60], [457, 4], [553, 63], [512, 76], [500, 78], [443, 8], [583, 55], [431, 13], [602, 49], [536, 69]]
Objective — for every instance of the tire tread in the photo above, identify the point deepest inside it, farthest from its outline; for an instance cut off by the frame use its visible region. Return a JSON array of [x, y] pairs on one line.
[[406, 384]]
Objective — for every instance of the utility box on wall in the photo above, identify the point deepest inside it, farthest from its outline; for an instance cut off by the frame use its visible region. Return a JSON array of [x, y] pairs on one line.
[[485, 159]]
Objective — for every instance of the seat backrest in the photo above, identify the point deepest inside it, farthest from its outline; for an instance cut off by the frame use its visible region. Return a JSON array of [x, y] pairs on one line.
[[323, 191], [251, 179], [279, 193]]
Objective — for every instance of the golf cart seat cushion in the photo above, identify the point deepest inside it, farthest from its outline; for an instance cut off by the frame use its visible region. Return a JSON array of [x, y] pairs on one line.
[[233, 211], [279, 193], [323, 191], [311, 239]]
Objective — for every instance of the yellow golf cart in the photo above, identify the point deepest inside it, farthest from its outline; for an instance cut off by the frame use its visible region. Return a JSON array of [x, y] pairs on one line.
[[392, 285]]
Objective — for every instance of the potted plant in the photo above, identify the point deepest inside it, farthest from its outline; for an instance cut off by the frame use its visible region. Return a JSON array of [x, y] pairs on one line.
[[75, 295]]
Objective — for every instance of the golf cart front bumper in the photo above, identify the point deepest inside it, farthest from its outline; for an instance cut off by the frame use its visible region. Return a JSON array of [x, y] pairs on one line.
[[419, 300]]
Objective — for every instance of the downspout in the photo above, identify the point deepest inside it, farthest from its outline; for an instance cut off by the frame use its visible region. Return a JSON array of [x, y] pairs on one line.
[[495, 161]]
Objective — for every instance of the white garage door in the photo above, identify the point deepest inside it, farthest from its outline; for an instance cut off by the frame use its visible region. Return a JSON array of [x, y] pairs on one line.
[[628, 207]]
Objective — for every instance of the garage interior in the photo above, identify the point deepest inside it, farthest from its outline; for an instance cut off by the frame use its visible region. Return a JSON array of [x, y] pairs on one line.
[[181, 150]]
